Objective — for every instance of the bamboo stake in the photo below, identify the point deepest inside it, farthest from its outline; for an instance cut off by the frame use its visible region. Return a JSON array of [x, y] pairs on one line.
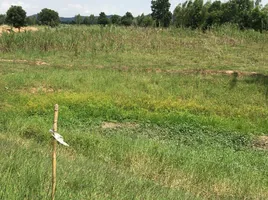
[[54, 143]]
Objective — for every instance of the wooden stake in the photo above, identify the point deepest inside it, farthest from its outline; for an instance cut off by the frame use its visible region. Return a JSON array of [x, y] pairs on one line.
[[54, 143]]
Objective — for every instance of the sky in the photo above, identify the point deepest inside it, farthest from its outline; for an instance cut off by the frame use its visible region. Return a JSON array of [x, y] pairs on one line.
[[70, 8]]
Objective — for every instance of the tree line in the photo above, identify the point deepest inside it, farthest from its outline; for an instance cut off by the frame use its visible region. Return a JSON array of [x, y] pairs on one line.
[[194, 14]]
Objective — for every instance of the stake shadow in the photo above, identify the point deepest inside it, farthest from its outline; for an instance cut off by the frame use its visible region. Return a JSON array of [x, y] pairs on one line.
[[234, 80], [260, 79]]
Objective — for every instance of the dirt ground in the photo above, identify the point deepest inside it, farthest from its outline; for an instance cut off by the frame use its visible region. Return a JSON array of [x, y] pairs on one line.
[[5, 28]]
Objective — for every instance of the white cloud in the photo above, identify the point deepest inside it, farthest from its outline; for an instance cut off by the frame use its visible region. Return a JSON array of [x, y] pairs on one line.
[[75, 6], [73, 9], [5, 5]]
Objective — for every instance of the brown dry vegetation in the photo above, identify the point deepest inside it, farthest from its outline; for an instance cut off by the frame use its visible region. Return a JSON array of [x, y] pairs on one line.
[[8, 29], [37, 62]]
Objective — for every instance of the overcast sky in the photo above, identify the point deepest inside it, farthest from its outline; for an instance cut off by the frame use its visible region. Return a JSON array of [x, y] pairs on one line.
[[69, 8]]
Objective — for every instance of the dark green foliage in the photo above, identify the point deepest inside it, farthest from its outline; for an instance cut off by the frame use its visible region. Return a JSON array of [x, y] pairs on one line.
[[2, 19], [16, 16], [86, 21], [196, 9], [258, 20], [103, 19], [48, 17], [195, 14], [92, 20], [78, 19], [116, 19], [161, 13], [145, 21], [32, 20], [215, 13], [127, 19], [178, 16], [190, 14]]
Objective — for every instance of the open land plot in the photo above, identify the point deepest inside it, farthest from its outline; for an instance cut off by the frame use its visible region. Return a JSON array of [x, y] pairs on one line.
[[149, 113]]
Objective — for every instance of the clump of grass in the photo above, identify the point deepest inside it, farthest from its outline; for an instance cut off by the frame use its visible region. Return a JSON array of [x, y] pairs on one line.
[[222, 47]]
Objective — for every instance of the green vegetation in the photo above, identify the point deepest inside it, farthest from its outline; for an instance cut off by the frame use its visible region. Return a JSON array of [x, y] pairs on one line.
[[103, 19], [48, 17], [193, 14], [246, 14], [127, 19], [2, 19], [148, 113], [161, 13], [16, 17]]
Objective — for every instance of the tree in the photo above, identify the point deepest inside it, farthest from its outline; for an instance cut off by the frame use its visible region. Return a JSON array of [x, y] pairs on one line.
[[103, 19], [265, 9], [259, 19], [191, 14], [148, 21], [139, 19], [31, 20], [145, 21], [116, 19], [265, 14], [48, 17], [2, 19], [78, 19], [86, 21], [161, 13], [16, 17], [180, 15], [92, 20], [127, 19]]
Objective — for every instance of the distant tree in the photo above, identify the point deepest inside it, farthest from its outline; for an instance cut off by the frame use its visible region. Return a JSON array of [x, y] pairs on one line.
[[258, 3], [139, 19], [92, 20], [86, 21], [178, 20], [116, 19], [214, 18], [148, 21], [16, 16], [243, 13], [259, 19], [238, 12], [265, 12], [145, 21], [48, 17], [78, 19], [196, 13], [127, 19], [191, 14], [2, 19], [265, 9], [31, 20], [161, 13], [103, 19]]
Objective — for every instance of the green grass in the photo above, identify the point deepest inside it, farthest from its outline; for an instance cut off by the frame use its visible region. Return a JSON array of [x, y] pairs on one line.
[[183, 131]]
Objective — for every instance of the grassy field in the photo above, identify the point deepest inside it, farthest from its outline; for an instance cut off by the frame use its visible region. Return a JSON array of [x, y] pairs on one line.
[[148, 113]]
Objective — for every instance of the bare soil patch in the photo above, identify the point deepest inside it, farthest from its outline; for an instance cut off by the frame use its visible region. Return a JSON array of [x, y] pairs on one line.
[[113, 125], [261, 142], [36, 90], [184, 71], [38, 62]]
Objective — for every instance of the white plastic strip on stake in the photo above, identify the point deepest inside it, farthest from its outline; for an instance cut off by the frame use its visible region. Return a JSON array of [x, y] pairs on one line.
[[58, 137]]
